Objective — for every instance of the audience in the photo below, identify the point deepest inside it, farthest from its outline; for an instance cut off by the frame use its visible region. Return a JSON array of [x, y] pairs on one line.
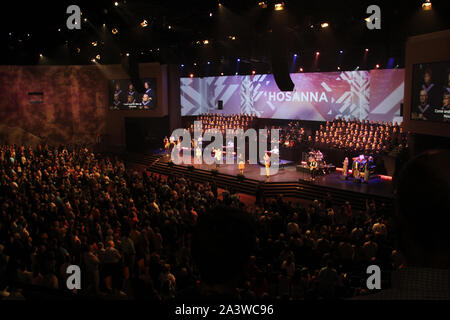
[[136, 235]]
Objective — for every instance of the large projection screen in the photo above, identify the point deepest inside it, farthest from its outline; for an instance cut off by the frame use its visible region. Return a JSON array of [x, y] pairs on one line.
[[372, 95]]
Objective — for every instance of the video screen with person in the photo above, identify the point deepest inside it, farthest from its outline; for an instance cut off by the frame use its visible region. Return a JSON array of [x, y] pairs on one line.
[[431, 92], [125, 96]]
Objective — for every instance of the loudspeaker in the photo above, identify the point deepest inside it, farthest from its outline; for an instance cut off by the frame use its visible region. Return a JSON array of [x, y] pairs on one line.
[[279, 57], [131, 66], [220, 104]]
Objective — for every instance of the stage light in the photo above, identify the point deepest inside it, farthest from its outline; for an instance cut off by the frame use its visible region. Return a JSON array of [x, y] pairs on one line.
[[367, 50], [236, 73], [205, 41], [97, 57], [232, 37], [127, 54], [59, 30], [279, 6], [221, 73], [295, 55], [301, 69], [324, 25], [41, 55], [85, 19], [210, 14], [341, 52], [195, 63], [377, 66], [116, 3], [94, 43], [317, 53], [78, 50], [114, 31], [262, 4], [253, 72], [182, 65], [93, 60], [191, 75], [209, 62], [238, 60], [104, 25], [144, 23], [367, 19], [339, 68], [426, 5], [170, 27]]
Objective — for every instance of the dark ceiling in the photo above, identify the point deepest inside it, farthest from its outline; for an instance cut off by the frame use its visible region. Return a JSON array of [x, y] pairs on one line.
[[176, 32]]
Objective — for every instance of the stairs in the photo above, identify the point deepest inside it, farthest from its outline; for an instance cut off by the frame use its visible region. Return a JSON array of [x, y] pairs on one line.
[[296, 189], [311, 191]]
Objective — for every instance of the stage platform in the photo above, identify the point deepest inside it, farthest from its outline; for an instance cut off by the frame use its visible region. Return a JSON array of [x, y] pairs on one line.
[[289, 173], [287, 181]]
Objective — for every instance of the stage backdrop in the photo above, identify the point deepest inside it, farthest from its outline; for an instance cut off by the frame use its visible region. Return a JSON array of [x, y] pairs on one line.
[[372, 95]]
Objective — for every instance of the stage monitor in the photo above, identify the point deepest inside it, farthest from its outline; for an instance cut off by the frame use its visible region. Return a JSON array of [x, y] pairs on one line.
[[431, 92], [124, 96]]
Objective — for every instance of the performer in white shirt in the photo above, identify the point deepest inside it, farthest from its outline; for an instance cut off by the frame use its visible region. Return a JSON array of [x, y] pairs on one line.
[[198, 154], [218, 156]]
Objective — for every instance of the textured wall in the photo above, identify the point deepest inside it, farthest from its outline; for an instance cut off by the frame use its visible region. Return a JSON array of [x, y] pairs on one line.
[[74, 107]]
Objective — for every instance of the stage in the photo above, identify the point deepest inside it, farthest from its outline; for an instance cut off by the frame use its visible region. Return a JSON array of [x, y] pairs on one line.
[[287, 173]]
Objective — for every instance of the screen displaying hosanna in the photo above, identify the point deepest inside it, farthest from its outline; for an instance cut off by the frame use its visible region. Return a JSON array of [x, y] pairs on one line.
[[124, 95], [431, 92]]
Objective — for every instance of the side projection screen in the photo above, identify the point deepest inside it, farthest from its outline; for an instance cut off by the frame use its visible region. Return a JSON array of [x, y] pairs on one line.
[[124, 96]]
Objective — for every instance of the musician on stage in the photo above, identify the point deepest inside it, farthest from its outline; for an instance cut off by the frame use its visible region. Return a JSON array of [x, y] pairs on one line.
[[178, 148], [366, 171], [241, 164], [218, 156], [267, 163], [319, 156], [198, 154], [345, 168], [171, 145], [166, 145], [313, 167], [356, 167]]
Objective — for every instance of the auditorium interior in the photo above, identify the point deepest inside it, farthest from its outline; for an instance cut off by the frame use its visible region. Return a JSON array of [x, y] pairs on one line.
[[254, 151]]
